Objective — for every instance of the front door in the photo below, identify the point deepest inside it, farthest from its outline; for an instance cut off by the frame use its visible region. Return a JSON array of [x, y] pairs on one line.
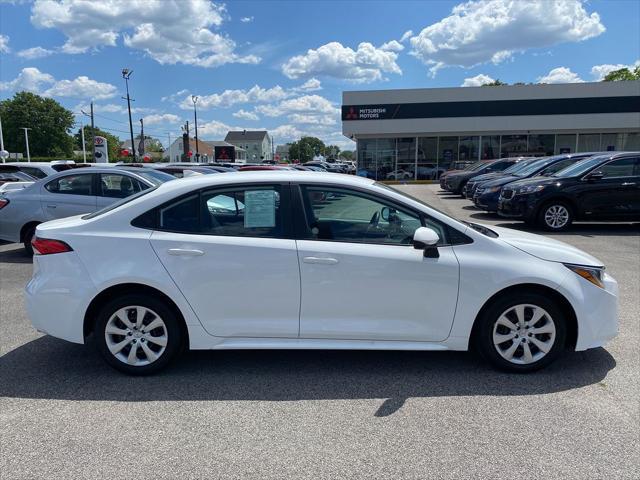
[[616, 194], [361, 277], [69, 195], [229, 252]]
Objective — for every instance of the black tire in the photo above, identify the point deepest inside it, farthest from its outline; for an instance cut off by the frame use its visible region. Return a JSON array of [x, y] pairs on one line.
[[26, 240], [460, 188], [172, 329], [547, 211], [484, 331]]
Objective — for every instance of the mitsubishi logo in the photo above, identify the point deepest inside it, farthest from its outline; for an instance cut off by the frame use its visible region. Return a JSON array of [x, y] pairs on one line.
[[352, 115]]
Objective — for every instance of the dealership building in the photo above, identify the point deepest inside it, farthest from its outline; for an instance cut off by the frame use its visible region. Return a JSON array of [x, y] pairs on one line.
[[413, 133]]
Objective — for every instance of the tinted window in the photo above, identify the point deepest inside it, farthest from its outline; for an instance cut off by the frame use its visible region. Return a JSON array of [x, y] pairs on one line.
[[181, 216], [500, 166], [556, 167], [623, 167], [116, 185], [81, 184], [34, 172], [343, 215], [254, 211], [580, 168]]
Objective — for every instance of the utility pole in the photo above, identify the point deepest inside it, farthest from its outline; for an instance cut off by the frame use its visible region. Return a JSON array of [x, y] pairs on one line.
[[185, 141], [126, 73], [169, 135], [93, 132], [141, 150], [3, 153], [84, 149], [26, 140], [194, 99]]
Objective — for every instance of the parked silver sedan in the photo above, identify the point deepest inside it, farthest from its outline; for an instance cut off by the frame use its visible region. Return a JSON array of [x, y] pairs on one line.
[[69, 193]]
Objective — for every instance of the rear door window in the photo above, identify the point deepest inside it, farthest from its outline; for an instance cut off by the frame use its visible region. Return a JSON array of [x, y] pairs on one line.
[[115, 185], [81, 184]]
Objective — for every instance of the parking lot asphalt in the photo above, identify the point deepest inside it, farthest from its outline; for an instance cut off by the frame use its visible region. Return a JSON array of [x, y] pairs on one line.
[[322, 414]]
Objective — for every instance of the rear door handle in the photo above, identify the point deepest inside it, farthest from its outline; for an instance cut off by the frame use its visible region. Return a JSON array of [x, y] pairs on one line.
[[185, 252], [628, 184], [320, 260], [51, 206]]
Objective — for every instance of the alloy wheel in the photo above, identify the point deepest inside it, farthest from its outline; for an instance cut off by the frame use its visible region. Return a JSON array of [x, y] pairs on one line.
[[136, 335], [524, 334], [556, 216]]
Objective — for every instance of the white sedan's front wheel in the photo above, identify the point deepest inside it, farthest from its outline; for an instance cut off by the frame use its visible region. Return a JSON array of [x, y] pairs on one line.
[[521, 332], [138, 334]]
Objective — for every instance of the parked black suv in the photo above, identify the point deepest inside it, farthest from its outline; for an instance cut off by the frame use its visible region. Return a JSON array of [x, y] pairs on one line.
[[602, 187], [455, 182]]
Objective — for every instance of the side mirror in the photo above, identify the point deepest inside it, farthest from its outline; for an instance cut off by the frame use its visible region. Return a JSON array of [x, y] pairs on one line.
[[385, 213], [595, 175], [426, 239]]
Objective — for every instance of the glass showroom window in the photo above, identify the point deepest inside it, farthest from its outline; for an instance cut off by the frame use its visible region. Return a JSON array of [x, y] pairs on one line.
[[630, 141], [565, 143], [608, 142], [367, 157], [513, 145], [490, 147], [469, 147], [448, 151], [406, 155], [589, 142], [428, 165], [543, 145], [386, 157]]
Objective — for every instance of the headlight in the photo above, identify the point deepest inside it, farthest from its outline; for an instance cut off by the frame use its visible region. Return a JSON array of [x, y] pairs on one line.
[[529, 189], [492, 190], [594, 275]]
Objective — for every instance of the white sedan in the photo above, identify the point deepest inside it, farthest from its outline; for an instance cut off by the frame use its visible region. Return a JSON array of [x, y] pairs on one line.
[[303, 260]]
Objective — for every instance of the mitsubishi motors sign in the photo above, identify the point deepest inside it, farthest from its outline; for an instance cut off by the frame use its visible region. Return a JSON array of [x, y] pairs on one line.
[[367, 112]]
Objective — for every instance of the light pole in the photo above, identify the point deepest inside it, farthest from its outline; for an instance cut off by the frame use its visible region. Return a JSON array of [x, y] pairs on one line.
[[26, 140], [126, 73], [3, 153], [84, 149], [194, 99]]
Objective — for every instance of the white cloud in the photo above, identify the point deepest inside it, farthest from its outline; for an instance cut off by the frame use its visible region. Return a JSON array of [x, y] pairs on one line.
[[255, 94], [174, 96], [81, 87], [30, 79], [600, 71], [493, 30], [301, 118], [560, 75], [165, 118], [169, 31], [246, 115], [314, 104], [4, 44], [365, 64], [246, 19], [392, 46], [214, 129], [477, 81], [34, 53], [310, 85], [406, 36]]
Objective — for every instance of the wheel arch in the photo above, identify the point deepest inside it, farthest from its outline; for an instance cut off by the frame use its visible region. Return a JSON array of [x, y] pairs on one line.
[[128, 288], [26, 227], [561, 300], [559, 198]]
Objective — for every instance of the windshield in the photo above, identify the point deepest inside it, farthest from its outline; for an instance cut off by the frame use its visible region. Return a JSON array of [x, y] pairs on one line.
[[155, 176], [475, 166], [539, 164], [522, 164], [581, 167]]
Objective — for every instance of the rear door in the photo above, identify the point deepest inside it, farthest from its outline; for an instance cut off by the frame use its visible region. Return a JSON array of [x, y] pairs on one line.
[[231, 252], [616, 194], [116, 186], [69, 195]]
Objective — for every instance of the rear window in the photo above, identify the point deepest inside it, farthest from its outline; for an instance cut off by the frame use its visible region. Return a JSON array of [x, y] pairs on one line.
[[117, 204]]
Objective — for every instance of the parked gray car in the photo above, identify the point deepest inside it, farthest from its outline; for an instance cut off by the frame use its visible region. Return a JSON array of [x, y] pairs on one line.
[[69, 193]]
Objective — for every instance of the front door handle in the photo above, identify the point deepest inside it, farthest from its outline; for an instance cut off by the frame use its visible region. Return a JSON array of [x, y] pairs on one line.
[[185, 252], [320, 260], [628, 184]]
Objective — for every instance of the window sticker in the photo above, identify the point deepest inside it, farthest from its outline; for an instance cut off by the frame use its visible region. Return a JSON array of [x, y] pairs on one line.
[[259, 208]]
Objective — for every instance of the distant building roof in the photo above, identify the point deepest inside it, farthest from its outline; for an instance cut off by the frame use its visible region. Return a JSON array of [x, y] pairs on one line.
[[220, 143], [249, 135]]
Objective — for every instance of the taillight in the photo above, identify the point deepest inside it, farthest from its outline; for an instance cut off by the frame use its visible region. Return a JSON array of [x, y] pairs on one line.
[[3, 202], [47, 246]]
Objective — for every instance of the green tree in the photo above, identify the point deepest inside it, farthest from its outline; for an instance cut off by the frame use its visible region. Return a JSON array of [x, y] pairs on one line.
[[113, 142], [331, 151], [50, 125], [347, 155], [623, 74], [306, 148], [495, 83]]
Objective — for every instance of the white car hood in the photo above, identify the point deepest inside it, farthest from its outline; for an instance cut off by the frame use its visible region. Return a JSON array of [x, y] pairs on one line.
[[545, 248]]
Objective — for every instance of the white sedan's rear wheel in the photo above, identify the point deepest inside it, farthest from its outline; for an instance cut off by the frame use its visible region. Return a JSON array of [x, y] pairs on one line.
[[138, 334]]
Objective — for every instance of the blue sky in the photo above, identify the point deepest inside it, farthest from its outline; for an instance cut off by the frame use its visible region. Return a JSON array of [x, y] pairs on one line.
[[283, 65]]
